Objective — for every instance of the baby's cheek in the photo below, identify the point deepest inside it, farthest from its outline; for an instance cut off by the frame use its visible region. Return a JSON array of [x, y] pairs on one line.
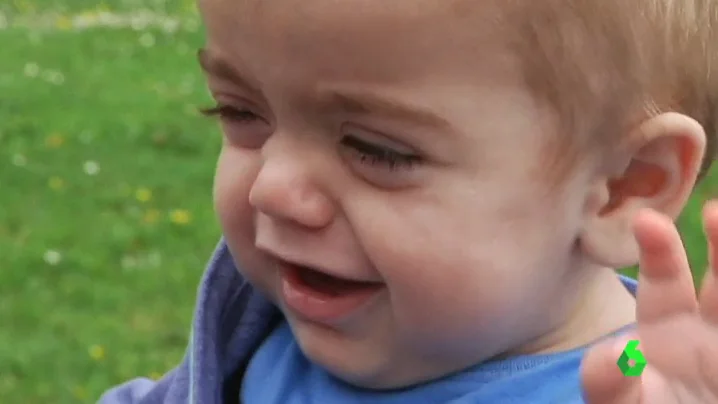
[[233, 180], [451, 296], [235, 174]]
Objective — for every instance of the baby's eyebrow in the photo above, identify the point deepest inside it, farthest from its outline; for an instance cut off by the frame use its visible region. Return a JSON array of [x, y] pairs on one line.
[[215, 66], [360, 102], [365, 102]]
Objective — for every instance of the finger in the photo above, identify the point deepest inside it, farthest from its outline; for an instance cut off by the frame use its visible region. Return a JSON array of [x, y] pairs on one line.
[[603, 381], [709, 289], [665, 283]]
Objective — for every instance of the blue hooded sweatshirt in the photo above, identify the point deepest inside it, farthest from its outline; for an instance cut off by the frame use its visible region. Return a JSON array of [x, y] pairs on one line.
[[232, 320]]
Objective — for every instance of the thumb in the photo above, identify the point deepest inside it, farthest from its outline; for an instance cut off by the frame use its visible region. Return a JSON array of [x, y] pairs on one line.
[[602, 379]]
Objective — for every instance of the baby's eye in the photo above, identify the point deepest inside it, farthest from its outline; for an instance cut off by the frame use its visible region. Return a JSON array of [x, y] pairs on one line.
[[230, 113], [241, 126], [381, 162], [375, 154]]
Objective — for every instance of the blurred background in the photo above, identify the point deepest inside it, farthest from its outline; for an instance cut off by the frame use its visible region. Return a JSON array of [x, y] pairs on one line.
[[106, 219]]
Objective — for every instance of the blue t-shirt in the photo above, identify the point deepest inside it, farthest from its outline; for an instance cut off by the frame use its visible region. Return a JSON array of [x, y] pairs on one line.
[[279, 373]]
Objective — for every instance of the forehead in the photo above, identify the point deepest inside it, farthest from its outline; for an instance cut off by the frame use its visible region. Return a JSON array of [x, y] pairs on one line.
[[368, 39], [335, 16]]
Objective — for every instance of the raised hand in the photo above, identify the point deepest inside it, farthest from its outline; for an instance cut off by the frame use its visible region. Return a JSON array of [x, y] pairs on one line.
[[678, 331]]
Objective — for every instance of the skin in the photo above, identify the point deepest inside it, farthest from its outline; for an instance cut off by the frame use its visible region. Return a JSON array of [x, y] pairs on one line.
[[467, 228], [677, 329]]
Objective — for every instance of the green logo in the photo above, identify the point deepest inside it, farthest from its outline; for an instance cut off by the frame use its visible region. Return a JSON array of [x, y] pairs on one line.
[[632, 362]]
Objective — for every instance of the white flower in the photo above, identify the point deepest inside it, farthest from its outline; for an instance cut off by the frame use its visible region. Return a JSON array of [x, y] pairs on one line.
[[91, 167], [52, 257], [32, 69]]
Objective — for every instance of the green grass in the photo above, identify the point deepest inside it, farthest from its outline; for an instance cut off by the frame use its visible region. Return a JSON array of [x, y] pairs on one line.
[[118, 302]]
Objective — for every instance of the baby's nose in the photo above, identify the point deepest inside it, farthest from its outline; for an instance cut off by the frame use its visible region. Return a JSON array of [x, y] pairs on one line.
[[285, 191]]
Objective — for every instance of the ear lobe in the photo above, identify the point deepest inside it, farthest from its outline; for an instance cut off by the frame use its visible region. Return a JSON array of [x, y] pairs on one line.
[[660, 174]]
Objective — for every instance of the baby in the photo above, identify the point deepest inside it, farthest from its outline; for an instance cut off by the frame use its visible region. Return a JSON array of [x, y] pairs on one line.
[[425, 201]]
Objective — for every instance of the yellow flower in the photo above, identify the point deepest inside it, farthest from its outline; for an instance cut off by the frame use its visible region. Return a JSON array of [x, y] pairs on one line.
[[56, 183], [151, 216], [143, 194], [180, 217], [97, 352], [79, 392], [63, 23], [54, 141]]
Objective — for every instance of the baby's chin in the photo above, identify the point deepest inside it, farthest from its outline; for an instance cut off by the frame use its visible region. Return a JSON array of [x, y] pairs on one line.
[[371, 367]]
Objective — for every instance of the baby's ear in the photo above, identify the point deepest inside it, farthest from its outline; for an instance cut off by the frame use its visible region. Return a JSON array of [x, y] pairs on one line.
[[659, 172]]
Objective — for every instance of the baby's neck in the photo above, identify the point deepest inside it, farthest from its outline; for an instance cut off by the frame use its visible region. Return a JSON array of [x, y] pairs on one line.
[[601, 308]]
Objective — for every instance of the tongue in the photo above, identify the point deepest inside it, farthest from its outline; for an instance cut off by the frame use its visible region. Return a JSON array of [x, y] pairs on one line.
[[331, 285]]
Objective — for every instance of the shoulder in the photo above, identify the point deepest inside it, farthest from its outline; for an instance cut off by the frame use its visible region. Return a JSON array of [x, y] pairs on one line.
[[230, 312], [231, 319]]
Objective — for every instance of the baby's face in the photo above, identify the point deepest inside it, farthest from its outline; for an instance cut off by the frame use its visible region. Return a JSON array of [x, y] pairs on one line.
[[392, 143]]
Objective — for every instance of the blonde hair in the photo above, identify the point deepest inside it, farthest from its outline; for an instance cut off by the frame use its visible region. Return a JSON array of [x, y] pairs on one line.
[[605, 65]]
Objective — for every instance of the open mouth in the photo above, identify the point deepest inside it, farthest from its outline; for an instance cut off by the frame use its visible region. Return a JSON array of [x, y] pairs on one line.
[[327, 284], [324, 298]]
